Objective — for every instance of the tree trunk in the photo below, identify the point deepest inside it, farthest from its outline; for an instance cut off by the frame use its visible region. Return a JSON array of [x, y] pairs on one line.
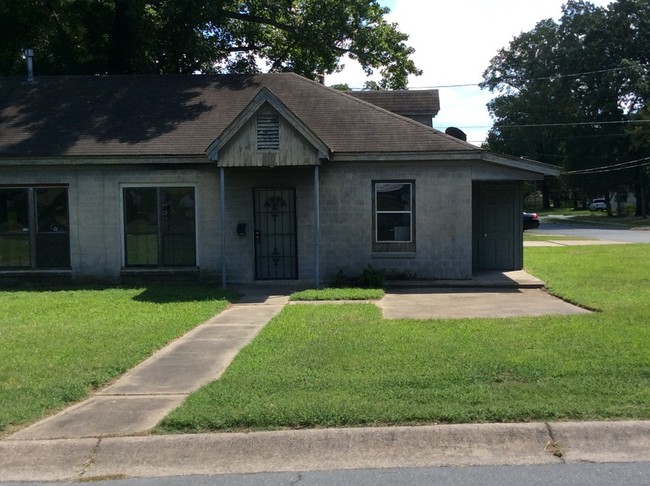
[[640, 186], [546, 198], [123, 39], [641, 199]]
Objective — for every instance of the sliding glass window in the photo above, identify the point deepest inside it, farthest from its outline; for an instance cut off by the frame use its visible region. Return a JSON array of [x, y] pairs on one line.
[[34, 228], [159, 226]]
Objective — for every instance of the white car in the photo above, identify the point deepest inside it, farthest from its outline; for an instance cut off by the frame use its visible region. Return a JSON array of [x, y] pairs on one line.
[[598, 204]]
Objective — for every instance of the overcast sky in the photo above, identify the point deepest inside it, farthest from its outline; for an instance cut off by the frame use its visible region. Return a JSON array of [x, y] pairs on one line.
[[454, 43]]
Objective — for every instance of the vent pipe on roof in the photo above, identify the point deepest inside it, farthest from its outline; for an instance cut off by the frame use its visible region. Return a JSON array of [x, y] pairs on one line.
[[28, 54]]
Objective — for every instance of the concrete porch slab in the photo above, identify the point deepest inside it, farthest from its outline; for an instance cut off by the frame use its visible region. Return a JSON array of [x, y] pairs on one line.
[[485, 279], [472, 303]]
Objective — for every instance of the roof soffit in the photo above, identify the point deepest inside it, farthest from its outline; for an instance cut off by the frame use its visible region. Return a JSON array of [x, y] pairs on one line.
[[264, 96]]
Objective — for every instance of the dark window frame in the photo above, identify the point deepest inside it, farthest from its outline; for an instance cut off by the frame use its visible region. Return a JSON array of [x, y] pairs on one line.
[[45, 228], [163, 220], [397, 246]]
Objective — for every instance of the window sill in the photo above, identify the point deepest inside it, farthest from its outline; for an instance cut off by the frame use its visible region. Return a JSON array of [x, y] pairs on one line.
[[36, 272], [160, 271], [393, 254]]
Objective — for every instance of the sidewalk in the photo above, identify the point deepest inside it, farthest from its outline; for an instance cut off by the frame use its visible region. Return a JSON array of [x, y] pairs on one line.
[[573, 243]]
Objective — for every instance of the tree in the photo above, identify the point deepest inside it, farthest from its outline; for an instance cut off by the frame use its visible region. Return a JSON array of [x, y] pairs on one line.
[[308, 37], [566, 90]]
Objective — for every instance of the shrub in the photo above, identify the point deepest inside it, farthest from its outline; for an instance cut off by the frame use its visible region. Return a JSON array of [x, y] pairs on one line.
[[371, 278]]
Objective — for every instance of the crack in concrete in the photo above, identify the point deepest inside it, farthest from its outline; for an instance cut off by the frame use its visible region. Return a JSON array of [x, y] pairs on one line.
[[552, 446], [297, 480], [90, 462]]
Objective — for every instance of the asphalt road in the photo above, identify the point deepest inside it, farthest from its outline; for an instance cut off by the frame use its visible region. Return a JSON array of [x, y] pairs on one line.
[[599, 233], [633, 473]]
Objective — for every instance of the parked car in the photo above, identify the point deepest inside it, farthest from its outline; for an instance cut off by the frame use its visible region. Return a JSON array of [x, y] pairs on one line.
[[531, 221], [598, 204]]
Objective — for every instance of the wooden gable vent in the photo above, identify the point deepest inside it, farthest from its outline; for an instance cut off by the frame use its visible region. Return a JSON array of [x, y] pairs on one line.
[[268, 132]]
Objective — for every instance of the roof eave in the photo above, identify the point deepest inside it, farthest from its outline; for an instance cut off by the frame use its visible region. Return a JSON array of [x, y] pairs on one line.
[[403, 156], [522, 163], [456, 155], [93, 159]]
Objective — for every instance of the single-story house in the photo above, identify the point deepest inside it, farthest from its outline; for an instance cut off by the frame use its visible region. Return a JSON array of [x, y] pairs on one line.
[[242, 178]]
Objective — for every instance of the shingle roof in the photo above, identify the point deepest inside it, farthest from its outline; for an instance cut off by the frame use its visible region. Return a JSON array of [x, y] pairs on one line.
[[404, 102], [183, 115]]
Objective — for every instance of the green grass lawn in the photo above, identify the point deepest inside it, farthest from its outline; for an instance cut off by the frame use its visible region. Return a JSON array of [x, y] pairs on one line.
[[338, 294], [598, 218], [546, 237], [56, 346], [343, 365]]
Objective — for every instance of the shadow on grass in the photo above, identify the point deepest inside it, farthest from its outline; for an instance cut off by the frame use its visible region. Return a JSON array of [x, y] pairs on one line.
[[158, 293], [166, 294]]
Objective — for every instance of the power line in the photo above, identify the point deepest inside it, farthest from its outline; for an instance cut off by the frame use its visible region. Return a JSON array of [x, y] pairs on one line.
[[544, 78], [560, 137], [632, 164], [466, 85], [645, 164], [575, 75], [565, 124], [568, 124]]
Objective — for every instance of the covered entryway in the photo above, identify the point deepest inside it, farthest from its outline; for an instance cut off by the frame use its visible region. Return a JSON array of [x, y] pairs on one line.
[[276, 255], [267, 135], [497, 226]]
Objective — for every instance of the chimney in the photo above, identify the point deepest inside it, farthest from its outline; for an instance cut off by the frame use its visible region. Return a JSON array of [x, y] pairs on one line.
[[28, 54]]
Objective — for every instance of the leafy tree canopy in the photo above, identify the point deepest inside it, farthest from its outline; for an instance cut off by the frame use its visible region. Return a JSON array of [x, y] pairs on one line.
[[566, 90], [308, 37]]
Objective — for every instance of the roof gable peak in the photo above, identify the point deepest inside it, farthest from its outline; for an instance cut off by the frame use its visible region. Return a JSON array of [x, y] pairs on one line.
[[263, 97]]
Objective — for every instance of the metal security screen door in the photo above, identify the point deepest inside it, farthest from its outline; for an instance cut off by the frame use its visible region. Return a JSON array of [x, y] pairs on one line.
[[276, 257]]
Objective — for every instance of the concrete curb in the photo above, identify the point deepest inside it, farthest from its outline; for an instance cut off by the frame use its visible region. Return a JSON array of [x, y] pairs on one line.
[[324, 449]]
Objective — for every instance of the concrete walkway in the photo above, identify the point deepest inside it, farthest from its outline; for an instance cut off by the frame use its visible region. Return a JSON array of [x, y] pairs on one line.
[[138, 400], [550, 243]]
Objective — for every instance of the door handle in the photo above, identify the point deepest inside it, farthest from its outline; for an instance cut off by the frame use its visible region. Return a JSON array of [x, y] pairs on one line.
[[258, 235]]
